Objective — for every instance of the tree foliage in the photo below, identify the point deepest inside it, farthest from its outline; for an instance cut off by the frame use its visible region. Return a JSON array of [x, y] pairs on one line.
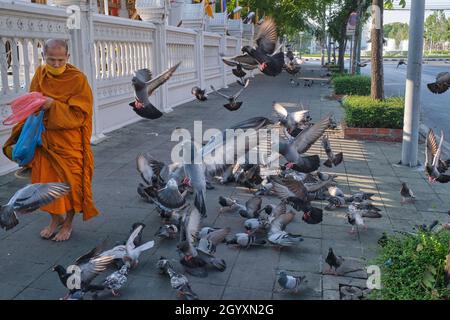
[[398, 31], [436, 28]]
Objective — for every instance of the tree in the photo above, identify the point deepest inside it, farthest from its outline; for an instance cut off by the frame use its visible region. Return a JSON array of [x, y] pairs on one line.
[[376, 34], [436, 28], [398, 31]]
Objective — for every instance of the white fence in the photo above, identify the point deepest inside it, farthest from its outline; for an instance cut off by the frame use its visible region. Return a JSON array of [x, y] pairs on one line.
[[108, 50]]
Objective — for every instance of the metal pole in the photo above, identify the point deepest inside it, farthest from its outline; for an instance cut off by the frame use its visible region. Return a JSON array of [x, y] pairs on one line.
[[413, 80]]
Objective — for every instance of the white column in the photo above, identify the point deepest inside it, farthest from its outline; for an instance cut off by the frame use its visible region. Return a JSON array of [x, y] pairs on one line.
[[200, 61], [223, 50]]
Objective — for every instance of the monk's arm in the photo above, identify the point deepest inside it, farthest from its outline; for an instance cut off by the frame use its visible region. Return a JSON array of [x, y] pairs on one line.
[[73, 114]]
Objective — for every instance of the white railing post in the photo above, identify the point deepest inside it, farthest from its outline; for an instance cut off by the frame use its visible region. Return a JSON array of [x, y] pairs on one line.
[[223, 51], [200, 52]]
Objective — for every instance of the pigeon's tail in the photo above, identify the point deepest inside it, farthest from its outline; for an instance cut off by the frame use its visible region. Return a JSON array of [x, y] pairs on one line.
[[328, 163], [219, 264], [372, 214], [437, 88], [186, 293], [8, 218], [222, 201], [199, 202]]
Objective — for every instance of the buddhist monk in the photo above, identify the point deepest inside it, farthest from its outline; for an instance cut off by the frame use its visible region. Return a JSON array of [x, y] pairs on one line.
[[65, 154]]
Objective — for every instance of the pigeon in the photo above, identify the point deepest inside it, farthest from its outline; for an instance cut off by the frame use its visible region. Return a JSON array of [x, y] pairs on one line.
[[333, 261], [146, 170], [232, 104], [249, 18], [246, 240], [28, 199], [195, 173], [292, 68], [362, 64], [265, 55], [144, 86], [86, 268], [366, 209], [193, 260], [116, 280], [277, 234], [178, 281], [401, 62], [168, 231], [291, 120], [290, 282], [406, 193], [332, 158], [359, 197], [354, 217], [334, 191], [199, 94], [169, 196], [249, 210], [335, 202], [208, 243], [442, 83], [138, 239], [290, 55], [256, 224], [433, 152], [129, 253]]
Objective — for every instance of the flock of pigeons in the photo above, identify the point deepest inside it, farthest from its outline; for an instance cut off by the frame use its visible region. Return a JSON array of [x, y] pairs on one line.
[[169, 186]]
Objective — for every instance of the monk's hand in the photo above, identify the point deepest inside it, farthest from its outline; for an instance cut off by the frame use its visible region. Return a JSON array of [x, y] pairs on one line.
[[48, 103]]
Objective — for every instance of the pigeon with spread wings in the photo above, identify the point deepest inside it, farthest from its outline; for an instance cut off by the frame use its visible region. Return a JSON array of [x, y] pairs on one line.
[[144, 86], [232, 104]]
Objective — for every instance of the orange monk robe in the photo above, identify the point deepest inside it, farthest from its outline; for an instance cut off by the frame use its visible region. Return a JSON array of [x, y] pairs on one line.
[[65, 154]]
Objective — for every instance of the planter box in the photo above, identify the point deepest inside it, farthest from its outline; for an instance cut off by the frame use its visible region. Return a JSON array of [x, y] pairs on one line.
[[373, 134]]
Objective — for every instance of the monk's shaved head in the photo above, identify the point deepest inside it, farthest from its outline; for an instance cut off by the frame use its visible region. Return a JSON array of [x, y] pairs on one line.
[[55, 43]]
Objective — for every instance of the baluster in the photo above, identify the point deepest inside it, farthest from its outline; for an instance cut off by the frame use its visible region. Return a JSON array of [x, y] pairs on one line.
[[103, 58], [4, 66], [96, 66], [26, 64], [15, 65]]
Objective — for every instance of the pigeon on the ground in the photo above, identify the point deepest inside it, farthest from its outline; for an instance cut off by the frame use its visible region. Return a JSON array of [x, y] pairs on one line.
[[246, 240], [288, 282], [333, 261], [144, 86], [28, 199], [249, 210], [178, 281], [406, 193], [199, 94]]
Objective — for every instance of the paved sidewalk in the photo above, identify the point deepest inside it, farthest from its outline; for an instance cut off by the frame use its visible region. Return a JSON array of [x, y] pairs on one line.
[[27, 260]]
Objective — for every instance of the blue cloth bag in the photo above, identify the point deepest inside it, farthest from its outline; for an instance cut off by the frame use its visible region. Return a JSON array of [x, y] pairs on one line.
[[29, 139]]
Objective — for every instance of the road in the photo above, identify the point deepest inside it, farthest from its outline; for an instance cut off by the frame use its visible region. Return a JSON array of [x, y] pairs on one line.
[[435, 110]]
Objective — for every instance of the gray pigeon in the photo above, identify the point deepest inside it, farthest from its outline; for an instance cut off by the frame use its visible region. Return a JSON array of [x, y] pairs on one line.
[[232, 104], [144, 86], [407, 194], [442, 83], [288, 282], [178, 281], [199, 94], [246, 240], [116, 280], [28, 199], [333, 159]]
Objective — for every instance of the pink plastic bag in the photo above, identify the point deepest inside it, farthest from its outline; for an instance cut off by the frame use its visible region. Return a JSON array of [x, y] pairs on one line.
[[24, 106]]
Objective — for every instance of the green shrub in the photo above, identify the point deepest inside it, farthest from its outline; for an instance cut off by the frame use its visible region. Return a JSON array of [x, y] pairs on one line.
[[352, 85], [365, 112], [336, 74], [412, 267]]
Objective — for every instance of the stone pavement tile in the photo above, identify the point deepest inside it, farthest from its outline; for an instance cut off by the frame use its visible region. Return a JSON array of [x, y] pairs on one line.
[[310, 290], [238, 293], [405, 224], [336, 217], [431, 205], [20, 272], [336, 233], [402, 212], [300, 261], [39, 294], [298, 226], [8, 291], [331, 295], [206, 291]]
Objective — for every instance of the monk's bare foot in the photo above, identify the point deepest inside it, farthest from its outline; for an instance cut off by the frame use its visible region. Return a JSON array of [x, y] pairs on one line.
[[63, 234], [48, 231]]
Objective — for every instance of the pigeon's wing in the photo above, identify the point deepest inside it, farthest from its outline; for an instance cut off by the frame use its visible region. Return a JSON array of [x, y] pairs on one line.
[[192, 226], [299, 116], [287, 188], [144, 75], [280, 209], [280, 110], [218, 236], [252, 123], [443, 77], [308, 136], [33, 196], [130, 242], [437, 156], [146, 246], [91, 254], [242, 89], [253, 204], [160, 79], [171, 197], [267, 37], [243, 59], [432, 143], [219, 93], [230, 62], [280, 223], [94, 267]]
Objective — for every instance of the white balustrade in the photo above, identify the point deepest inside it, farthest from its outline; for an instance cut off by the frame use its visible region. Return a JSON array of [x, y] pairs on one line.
[[218, 23], [108, 50], [235, 28]]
